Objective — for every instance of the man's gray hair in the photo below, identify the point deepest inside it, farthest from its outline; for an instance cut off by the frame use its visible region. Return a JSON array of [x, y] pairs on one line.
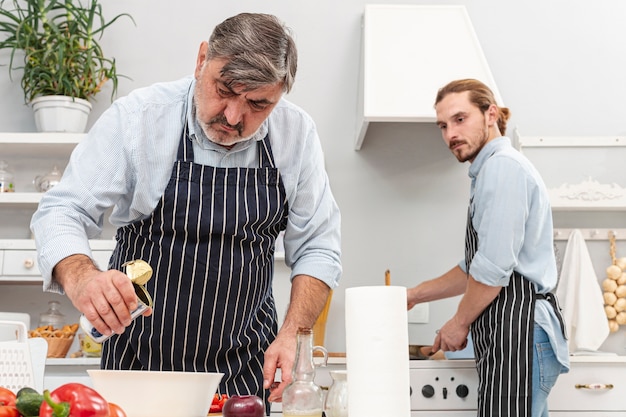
[[258, 48]]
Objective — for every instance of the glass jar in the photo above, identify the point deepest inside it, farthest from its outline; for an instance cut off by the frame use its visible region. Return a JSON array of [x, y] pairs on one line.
[[44, 182], [6, 178], [53, 316], [336, 404], [303, 397]]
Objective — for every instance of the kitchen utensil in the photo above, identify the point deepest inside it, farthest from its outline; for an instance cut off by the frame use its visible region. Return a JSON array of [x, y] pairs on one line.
[[157, 393], [319, 328], [16, 366], [420, 352], [336, 402]]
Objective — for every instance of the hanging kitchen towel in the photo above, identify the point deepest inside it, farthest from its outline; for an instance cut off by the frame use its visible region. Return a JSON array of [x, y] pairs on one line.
[[581, 298], [377, 351]]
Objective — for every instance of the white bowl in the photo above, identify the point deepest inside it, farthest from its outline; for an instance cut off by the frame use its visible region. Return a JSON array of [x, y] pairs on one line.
[[157, 394]]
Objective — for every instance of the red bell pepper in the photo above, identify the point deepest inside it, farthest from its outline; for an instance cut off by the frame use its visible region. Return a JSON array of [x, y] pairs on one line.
[[73, 400], [7, 403]]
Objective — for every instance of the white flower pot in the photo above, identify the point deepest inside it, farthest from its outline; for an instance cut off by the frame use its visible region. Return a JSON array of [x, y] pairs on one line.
[[61, 114]]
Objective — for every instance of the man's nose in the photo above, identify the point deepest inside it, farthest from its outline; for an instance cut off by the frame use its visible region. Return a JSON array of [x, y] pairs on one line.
[[448, 134], [234, 112], [453, 131]]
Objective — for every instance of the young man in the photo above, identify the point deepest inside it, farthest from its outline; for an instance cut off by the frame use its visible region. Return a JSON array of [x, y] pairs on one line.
[[509, 267]]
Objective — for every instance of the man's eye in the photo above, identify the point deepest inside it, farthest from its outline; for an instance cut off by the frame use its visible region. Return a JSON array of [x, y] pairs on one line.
[[258, 105], [224, 92]]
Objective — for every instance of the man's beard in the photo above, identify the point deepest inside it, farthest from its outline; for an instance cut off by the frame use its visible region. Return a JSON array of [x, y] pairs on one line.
[[221, 138], [471, 156]]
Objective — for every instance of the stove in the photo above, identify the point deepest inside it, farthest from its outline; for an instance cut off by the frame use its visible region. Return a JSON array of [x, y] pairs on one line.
[[443, 387]]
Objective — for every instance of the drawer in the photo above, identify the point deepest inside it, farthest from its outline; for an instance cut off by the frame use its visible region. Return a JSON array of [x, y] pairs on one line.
[[569, 393], [20, 263], [23, 263]]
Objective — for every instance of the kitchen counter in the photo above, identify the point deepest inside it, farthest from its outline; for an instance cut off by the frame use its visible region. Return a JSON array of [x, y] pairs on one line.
[[572, 359], [336, 359]]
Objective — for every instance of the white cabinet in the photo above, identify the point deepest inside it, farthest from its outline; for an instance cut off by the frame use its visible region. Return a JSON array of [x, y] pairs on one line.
[[593, 386], [18, 259], [29, 155]]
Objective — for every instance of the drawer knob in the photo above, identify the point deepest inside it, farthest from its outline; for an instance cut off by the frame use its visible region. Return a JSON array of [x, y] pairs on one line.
[[594, 386], [29, 263]]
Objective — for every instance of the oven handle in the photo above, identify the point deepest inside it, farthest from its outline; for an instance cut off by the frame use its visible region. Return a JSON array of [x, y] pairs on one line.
[[594, 386]]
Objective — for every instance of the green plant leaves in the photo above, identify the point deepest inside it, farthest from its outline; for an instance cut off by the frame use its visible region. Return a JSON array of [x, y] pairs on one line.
[[59, 42]]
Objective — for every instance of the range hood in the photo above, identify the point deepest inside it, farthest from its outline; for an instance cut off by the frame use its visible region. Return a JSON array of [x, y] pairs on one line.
[[408, 53]]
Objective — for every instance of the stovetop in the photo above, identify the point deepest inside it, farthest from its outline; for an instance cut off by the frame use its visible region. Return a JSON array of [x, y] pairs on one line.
[[443, 385]]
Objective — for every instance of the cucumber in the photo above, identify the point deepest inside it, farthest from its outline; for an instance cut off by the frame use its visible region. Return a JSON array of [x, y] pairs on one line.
[[28, 402]]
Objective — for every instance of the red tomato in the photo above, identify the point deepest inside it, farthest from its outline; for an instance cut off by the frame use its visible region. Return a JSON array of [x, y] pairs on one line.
[[218, 403], [7, 403], [8, 411], [7, 397]]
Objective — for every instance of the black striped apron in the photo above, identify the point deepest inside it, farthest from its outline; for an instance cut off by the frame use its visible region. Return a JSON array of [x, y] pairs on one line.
[[503, 344], [210, 242]]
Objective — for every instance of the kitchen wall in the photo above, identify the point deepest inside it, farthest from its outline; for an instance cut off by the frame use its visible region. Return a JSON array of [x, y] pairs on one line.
[[559, 66]]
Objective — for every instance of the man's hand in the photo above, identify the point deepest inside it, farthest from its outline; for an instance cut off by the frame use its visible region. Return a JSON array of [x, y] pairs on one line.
[[106, 298], [451, 337], [308, 297], [280, 354]]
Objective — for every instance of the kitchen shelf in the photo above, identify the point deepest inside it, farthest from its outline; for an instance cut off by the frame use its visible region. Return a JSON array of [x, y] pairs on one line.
[[20, 198], [21, 146], [26, 244], [582, 173], [32, 138], [73, 361]]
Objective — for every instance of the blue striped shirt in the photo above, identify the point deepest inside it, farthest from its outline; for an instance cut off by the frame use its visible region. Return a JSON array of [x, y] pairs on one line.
[[513, 219], [125, 162]]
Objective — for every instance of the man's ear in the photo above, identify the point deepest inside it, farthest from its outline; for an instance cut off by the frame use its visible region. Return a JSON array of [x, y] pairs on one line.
[[492, 114], [201, 59]]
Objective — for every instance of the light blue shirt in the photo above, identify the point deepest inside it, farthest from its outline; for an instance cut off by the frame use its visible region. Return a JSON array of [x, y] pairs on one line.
[[513, 219], [126, 160]]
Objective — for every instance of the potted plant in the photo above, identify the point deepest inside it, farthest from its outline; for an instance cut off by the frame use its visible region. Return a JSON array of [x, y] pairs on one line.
[[55, 44]]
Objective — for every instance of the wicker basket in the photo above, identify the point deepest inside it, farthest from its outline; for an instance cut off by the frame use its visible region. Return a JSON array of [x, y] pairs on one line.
[[58, 346]]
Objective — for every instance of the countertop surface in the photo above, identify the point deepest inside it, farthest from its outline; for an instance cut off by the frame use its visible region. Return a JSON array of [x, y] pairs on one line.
[[462, 363]]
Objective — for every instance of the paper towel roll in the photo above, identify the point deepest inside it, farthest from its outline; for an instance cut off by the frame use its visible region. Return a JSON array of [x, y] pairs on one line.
[[377, 351]]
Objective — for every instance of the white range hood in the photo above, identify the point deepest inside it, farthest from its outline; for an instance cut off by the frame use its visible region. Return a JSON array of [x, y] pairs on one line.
[[409, 52]]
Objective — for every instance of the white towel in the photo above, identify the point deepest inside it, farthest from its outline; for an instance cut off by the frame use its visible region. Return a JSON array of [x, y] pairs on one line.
[[580, 296]]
